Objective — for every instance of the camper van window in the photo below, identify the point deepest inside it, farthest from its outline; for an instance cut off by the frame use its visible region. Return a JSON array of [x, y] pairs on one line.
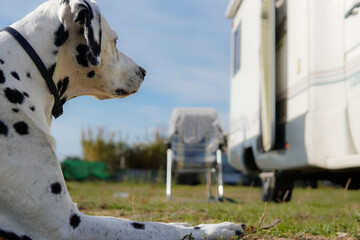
[[237, 49]]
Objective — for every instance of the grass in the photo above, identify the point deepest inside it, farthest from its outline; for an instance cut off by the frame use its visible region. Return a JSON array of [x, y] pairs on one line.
[[312, 214]]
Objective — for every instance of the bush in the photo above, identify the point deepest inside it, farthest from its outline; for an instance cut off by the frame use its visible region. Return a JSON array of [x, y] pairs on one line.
[[107, 147], [151, 155], [104, 147]]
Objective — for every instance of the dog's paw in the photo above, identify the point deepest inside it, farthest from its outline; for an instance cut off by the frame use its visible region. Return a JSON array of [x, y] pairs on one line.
[[224, 231]]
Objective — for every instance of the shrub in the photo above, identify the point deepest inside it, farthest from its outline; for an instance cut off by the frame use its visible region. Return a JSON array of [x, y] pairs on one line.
[[108, 147]]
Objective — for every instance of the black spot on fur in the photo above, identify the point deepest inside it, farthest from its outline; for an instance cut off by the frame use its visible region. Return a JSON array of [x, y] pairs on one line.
[[86, 17], [12, 236], [138, 225], [239, 233], [94, 47], [56, 188], [15, 110], [9, 235], [15, 75], [91, 13], [2, 62], [91, 74], [3, 129], [14, 96], [32, 108], [61, 35], [52, 69], [197, 228], [81, 57], [82, 30], [75, 221], [2, 77], [26, 94], [28, 75], [21, 128], [81, 14]]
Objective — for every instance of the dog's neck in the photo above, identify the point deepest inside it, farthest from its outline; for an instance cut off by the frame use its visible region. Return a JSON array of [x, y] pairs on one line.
[[31, 27]]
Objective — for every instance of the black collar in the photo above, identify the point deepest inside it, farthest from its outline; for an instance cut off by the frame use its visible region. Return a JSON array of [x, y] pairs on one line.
[[57, 110]]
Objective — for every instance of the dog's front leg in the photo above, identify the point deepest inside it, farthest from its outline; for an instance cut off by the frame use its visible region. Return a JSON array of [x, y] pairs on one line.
[[90, 227]]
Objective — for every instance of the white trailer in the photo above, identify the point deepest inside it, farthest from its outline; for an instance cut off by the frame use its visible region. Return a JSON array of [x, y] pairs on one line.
[[295, 92]]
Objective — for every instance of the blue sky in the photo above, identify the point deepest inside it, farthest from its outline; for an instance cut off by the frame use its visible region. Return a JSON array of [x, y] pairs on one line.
[[183, 44]]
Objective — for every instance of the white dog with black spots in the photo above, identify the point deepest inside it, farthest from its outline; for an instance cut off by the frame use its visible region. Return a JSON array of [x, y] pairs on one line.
[[78, 48]]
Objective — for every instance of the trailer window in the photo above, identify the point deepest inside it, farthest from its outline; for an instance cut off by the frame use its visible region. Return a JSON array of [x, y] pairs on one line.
[[237, 49]]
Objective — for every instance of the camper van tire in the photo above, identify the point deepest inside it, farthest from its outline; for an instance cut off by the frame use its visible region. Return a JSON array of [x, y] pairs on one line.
[[275, 187]]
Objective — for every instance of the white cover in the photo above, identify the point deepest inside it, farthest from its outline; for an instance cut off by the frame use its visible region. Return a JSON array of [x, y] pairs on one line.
[[192, 124]]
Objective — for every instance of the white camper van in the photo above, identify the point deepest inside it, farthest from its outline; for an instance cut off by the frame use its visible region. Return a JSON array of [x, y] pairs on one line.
[[295, 92]]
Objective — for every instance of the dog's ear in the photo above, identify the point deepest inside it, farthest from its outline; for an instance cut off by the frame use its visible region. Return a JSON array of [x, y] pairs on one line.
[[87, 14]]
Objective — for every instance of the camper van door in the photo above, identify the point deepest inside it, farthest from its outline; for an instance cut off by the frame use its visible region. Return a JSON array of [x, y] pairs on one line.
[[268, 73]]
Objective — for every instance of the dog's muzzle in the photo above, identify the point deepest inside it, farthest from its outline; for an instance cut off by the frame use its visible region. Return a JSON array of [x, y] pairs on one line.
[[134, 85]]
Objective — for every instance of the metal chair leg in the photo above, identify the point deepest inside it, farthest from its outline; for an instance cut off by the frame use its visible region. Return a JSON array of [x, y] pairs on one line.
[[208, 183], [220, 175], [168, 173]]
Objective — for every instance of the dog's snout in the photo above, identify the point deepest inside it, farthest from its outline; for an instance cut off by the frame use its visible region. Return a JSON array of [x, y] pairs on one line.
[[142, 72]]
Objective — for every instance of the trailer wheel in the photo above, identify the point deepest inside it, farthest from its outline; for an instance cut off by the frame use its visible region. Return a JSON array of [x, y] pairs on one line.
[[276, 188]]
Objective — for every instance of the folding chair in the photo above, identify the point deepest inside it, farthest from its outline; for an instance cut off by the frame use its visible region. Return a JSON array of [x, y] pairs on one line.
[[195, 137]]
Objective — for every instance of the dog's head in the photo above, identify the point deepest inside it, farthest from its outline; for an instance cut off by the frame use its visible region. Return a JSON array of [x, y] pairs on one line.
[[90, 58]]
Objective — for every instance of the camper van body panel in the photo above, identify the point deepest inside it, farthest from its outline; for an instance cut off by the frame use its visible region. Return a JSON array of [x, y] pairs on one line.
[[318, 87], [352, 72], [245, 82]]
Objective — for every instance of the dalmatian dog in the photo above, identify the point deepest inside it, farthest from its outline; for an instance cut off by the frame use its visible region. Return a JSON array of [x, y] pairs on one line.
[[78, 48]]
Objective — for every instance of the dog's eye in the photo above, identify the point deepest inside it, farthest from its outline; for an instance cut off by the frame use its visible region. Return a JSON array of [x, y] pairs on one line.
[[115, 40]]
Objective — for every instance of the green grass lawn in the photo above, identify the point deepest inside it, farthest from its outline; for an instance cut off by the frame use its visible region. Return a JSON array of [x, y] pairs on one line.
[[326, 212]]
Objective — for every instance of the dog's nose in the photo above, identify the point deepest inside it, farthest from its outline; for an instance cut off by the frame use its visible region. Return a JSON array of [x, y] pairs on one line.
[[142, 72]]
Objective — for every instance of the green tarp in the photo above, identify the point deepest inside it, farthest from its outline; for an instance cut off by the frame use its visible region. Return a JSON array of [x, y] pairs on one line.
[[81, 170]]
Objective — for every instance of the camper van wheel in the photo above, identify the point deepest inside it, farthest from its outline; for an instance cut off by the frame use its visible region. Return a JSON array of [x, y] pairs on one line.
[[275, 188]]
